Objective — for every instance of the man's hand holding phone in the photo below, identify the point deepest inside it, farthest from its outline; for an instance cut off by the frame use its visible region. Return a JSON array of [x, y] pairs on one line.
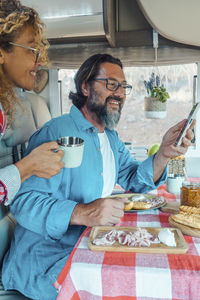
[[168, 149], [188, 122], [175, 143], [186, 138]]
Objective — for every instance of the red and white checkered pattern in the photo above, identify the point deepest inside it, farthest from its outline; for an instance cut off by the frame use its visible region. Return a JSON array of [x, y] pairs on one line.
[[92, 275]]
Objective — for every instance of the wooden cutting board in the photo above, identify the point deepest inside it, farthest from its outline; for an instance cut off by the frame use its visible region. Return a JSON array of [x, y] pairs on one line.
[[185, 229], [181, 245], [171, 207]]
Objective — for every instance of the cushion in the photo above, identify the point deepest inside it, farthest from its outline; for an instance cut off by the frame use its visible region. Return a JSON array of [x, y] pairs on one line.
[[10, 295]]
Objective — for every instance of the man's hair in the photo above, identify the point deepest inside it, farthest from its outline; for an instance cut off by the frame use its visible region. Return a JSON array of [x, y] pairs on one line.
[[14, 17], [87, 72]]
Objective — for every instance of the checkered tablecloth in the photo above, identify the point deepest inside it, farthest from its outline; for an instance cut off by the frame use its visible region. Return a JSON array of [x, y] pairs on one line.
[[90, 275]]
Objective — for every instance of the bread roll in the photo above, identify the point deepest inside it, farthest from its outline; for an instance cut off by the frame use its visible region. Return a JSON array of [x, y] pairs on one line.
[[184, 218], [128, 205], [190, 209], [141, 205]]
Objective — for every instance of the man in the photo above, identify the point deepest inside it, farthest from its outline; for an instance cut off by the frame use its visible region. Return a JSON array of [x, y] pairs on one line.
[[51, 214]]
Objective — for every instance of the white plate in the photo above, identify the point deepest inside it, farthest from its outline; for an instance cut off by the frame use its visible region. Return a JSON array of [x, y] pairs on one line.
[[141, 197]]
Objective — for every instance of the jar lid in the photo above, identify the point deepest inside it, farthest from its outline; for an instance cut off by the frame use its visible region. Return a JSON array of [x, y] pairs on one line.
[[191, 184]]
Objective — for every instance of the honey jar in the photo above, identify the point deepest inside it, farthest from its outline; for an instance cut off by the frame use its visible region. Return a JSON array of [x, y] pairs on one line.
[[190, 194]]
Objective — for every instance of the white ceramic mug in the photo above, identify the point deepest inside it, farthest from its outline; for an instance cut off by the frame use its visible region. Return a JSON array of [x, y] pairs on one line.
[[174, 184], [73, 150]]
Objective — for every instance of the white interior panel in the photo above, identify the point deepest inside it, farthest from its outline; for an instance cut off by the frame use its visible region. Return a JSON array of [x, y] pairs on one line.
[[70, 18], [177, 20]]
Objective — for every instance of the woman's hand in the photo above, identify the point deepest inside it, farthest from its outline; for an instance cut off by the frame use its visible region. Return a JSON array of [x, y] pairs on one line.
[[41, 161]]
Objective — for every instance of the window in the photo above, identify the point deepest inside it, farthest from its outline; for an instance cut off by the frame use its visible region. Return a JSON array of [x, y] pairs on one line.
[[133, 127], [67, 80]]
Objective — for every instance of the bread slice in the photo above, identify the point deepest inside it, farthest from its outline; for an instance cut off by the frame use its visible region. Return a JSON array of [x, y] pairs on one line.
[[141, 205], [128, 205], [192, 220], [190, 210]]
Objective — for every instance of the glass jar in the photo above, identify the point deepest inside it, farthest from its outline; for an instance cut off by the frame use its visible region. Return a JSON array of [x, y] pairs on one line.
[[190, 194], [174, 184]]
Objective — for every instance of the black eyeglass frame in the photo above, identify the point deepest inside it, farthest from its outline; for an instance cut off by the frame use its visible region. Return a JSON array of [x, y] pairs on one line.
[[34, 50], [126, 87]]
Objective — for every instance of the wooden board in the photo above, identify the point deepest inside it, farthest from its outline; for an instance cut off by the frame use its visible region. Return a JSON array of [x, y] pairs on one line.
[[171, 207], [184, 228], [181, 245], [136, 194]]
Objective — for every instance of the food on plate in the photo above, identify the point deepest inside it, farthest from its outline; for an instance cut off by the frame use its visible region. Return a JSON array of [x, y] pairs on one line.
[[139, 197], [106, 238], [167, 237], [142, 201], [189, 216], [190, 209], [191, 220], [141, 205], [128, 205], [139, 238]]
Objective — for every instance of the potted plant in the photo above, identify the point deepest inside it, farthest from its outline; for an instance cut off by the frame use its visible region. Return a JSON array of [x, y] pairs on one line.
[[155, 103]]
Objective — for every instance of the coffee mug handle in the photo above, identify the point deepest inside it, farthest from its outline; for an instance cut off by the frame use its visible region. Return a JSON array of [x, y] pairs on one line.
[[56, 150]]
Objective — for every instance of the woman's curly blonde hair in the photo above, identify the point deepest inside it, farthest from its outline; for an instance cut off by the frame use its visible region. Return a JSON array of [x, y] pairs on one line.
[[13, 18]]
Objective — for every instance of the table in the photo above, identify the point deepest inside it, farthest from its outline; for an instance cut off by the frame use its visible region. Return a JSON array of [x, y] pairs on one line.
[[92, 275]]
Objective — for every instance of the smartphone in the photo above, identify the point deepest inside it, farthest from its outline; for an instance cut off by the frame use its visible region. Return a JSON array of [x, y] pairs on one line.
[[187, 123]]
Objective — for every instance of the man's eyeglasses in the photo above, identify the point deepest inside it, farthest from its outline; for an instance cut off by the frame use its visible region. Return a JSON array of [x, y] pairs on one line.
[[113, 85], [35, 51]]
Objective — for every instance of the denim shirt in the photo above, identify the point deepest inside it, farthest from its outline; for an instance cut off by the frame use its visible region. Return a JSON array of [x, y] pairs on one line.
[[43, 207]]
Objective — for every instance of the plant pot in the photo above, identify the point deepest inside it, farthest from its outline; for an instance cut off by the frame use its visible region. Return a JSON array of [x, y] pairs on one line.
[[154, 109]]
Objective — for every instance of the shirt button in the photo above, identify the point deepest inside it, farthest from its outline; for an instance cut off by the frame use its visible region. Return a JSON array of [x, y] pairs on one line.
[[94, 130], [101, 173], [99, 149]]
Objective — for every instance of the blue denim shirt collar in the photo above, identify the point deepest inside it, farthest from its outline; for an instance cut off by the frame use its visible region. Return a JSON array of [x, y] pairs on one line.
[[79, 119]]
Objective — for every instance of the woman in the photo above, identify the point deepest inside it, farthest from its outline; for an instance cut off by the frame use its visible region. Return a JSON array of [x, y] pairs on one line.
[[23, 47]]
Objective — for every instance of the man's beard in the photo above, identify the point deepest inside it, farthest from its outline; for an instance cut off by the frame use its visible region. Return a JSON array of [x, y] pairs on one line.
[[106, 118]]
